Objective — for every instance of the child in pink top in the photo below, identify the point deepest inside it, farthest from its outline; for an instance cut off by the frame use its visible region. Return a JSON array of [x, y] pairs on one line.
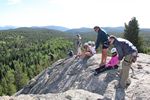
[[112, 64]]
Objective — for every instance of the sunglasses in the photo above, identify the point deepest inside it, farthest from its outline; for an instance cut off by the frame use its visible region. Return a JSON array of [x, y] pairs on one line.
[[114, 53]]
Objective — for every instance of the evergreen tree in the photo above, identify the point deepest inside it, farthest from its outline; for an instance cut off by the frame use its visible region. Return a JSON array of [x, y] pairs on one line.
[[4, 86], [1, 92], [10, 82], [131, 33], [20, 78]]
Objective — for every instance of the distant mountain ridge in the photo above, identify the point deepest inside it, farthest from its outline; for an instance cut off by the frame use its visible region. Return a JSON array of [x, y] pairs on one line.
[[60, 28], [7, 27], [77, 30], [87, 30], [114, 29], [80, 30], [109, 30]]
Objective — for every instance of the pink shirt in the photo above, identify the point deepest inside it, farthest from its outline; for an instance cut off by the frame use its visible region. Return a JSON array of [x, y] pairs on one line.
[[113, 61]]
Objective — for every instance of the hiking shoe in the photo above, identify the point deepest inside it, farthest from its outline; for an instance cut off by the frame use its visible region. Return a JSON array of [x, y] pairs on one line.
[[95, 73], [118, 86], [128, 83]]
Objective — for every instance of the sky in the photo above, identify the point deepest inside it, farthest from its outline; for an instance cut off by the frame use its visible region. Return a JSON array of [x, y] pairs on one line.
[[74, 13]]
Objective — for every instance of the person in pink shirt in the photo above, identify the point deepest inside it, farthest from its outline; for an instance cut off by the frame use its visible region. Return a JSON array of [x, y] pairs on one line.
[[112, 64]]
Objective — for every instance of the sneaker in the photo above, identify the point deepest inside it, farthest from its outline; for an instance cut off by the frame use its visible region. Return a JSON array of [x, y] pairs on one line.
[[118, 86], [95, 73], [128, 83]]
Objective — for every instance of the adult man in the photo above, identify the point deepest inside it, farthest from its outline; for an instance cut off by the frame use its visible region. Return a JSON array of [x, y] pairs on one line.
[[102, 38], [126, 51]]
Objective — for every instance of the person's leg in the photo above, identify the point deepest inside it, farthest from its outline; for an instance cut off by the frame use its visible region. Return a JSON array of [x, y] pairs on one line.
[[104, 69], [82, 55], [79, 51], [124, 74], [98, 69], [105, 47], [116, 66], [104, 56]]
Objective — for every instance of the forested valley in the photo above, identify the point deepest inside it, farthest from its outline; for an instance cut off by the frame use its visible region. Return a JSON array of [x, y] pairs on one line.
[[25, 52]]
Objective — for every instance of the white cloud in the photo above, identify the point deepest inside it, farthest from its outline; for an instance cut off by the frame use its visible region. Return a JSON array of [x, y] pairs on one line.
[[13, 2]]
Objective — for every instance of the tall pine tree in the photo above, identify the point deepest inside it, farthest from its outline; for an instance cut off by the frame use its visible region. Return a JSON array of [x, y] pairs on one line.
[[131, 33]]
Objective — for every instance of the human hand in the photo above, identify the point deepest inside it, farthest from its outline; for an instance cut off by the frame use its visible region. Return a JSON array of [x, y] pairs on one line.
[[120, 65]]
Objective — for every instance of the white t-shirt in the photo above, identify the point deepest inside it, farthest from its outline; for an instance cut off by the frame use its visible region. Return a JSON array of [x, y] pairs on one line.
[[92, 49]]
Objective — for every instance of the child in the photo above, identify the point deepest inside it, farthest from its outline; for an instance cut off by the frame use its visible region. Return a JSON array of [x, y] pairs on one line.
[[87, 52], [112, 64]]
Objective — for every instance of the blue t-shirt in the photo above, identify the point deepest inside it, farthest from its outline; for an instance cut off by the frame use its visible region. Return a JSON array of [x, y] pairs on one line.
[[102, 37]]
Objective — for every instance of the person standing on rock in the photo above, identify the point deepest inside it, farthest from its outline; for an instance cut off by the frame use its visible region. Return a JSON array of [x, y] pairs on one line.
[[79, 44], [102, 38], [126, 52]]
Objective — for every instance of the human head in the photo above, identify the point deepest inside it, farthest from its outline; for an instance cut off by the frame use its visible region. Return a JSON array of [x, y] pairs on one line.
[[78, 36], [114, 51], [111, 39], [93, 43], [96, 28], [90, 43], [85, 45]]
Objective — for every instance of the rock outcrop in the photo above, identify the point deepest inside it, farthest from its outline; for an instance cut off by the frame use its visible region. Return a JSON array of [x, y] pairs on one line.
[[68, 95], [71, 73]]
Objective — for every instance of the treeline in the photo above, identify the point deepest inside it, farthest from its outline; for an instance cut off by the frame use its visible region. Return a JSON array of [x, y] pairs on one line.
[[24, 53]]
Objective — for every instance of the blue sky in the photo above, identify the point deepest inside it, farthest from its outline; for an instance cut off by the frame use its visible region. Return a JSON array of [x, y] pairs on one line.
[[74, 13]]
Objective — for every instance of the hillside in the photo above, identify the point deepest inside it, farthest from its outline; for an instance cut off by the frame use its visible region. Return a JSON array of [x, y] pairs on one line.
[[51, 27], [109, 30], [25, 52], [80, 30], [7, 27], [71, 73], [88, 30]]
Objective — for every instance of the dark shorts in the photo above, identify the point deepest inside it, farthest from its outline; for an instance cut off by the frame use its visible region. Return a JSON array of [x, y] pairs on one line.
[[105, 45], [79, 44]]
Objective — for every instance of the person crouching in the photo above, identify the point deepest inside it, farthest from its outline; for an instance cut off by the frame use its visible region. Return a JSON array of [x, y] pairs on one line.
[[112, 64]]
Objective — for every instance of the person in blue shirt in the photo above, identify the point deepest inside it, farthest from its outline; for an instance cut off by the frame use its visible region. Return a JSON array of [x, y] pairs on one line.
[[102, 38]]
